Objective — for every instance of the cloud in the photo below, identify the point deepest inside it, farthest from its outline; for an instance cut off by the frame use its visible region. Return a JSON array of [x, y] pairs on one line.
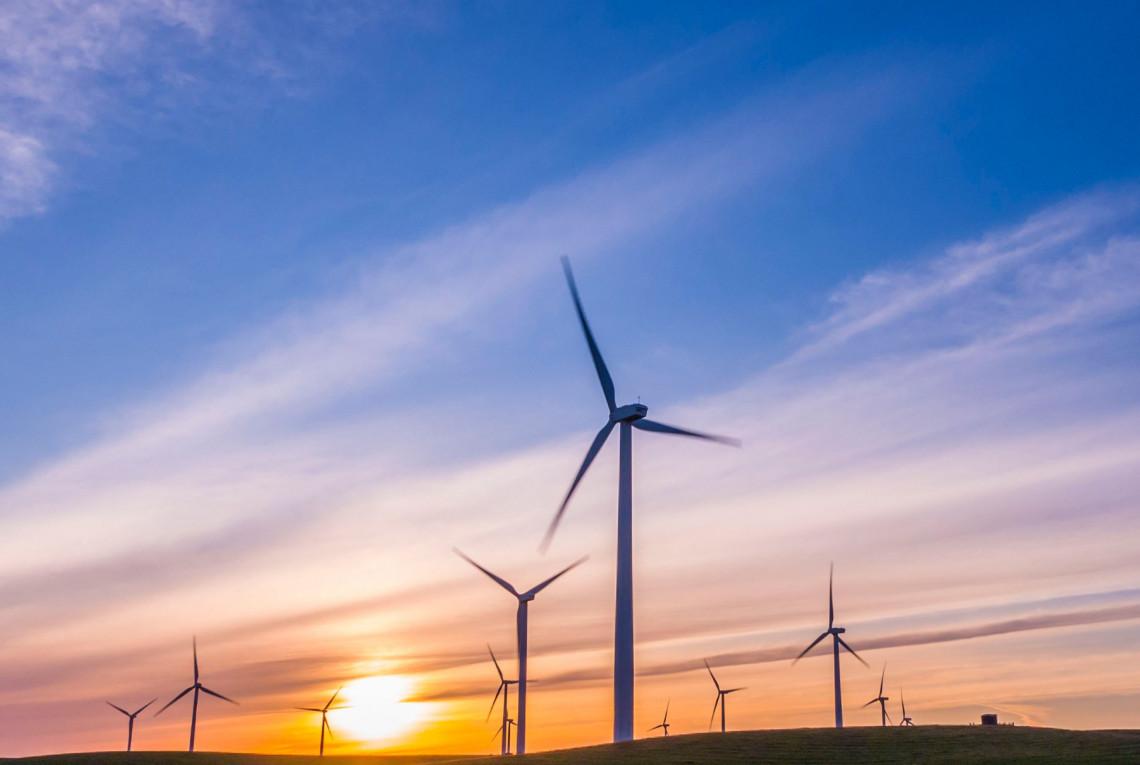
[[203, 445], [62, 68], [25, 175], [71, 69]]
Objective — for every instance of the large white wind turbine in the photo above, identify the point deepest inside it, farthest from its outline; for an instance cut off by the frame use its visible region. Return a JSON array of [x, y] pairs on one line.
[[837, 641], [882, 700], [196, 687], [131, 719], [505, 689], [720, 698], [627, 417], [324, 711], [524, 600]]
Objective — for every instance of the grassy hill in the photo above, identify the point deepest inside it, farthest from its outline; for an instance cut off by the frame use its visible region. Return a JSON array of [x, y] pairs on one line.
[[924, 744]]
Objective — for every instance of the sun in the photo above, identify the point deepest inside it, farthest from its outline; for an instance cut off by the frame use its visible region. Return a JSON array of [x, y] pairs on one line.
[[376, 709]]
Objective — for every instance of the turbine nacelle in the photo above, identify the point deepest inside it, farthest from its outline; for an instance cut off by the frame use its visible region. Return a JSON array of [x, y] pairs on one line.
[[837, 630], [629, 413]]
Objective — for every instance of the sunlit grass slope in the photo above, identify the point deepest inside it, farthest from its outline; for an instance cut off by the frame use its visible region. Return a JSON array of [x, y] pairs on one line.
[[925, 744]]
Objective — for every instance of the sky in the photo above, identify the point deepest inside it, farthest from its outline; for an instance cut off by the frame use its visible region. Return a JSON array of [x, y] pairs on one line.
[[284, 323]]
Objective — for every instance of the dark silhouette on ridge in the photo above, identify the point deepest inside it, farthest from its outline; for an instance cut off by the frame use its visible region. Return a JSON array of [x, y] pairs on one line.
[[720, 698], [196, 687], [837, 641], [324, 718], [882, 699], [131, 719]]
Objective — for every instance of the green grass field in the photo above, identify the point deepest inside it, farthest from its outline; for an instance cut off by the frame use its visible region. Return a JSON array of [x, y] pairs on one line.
[[924, 744]]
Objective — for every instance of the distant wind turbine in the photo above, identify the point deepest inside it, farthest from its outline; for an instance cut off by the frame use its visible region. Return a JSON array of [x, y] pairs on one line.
[[664, 726], [881, 699], [507, 723], [627, 417], [906, 721], [521, 632], [196, 687], [131, 719], [324, 717], [505, 689], [720, 698], [835, 632]]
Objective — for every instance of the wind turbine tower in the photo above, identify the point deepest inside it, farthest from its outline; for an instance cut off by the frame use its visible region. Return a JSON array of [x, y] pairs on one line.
[[324, 711], [664, 726], [720, 698], [881, 699], [524, 600], [906, 721], [131, 719], [196, 687], [625, 418], [505, 689], [837, 641]]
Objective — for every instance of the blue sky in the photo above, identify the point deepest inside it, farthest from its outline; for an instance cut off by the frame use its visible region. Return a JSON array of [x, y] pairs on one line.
[[278, 283]]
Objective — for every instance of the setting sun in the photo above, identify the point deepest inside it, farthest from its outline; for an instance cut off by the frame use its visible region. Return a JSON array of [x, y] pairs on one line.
[[376, 710]]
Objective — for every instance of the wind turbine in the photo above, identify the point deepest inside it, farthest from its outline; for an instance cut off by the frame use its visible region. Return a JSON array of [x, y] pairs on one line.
[[508, 723], [835, 632], [521, 631], [505, 689], [882, 699], [196, 687], [131, 719], [906, 721], [664, 723], [720, 694], [627, 417], [324, 717]]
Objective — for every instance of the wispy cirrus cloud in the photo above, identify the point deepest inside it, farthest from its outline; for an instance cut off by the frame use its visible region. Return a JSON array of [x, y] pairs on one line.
[[64, 64], [69, 69]]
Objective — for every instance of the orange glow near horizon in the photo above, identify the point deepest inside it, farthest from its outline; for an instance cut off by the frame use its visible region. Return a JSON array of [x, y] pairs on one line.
[[376, 710]]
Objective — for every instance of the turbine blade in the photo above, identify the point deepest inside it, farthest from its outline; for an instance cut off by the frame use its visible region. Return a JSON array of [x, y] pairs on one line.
[[599, 365], [869, 703], [501, 678], [888, 714], [494, 701], [338, 690], [712, 675], [903, 702], [501, 582], [882, 678], [218, 695], [144, 706], [595, 447], [156, 714], [734, 690], [667, 703], [831, 598], [813, 645], [539, 588], [195, 638], [658, 427], [308, 709], [325, 722], [116, 706], [655, 727], [843, 643], [713, 715]]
